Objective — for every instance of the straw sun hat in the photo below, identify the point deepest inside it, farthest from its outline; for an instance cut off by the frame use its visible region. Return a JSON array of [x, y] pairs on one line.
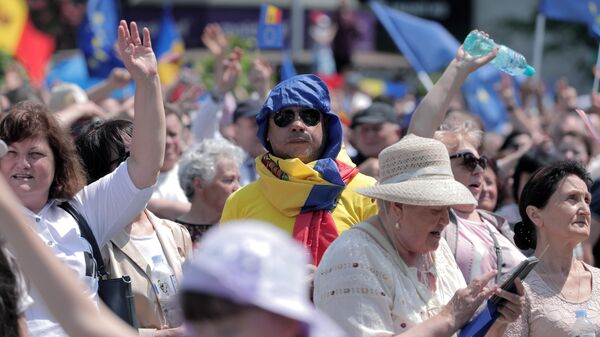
[[416, 171]]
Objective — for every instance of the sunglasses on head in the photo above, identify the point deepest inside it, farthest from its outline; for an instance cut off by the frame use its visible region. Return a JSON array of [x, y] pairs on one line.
[[470, 161], [285, 117]]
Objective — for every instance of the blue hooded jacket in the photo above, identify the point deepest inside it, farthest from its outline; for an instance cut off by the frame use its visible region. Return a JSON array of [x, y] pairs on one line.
[[307, 91]]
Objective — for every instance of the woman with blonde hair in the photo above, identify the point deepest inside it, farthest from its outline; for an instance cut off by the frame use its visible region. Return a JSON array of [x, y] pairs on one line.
[[480, 241]]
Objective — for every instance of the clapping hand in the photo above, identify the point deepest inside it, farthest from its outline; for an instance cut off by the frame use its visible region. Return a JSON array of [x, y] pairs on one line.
[[138, 57]]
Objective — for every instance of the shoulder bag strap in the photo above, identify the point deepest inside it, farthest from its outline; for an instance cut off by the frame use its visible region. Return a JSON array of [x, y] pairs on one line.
[[87, 234], [497, 250]]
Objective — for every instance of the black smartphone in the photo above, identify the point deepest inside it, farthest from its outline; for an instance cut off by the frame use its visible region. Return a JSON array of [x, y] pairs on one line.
[[521, 271]]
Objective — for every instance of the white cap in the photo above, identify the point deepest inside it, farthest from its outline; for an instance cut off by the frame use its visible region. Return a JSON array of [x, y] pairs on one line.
[[252, 262]]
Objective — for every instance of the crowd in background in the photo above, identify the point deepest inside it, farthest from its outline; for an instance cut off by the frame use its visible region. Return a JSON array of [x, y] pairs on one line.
[[160, 168]]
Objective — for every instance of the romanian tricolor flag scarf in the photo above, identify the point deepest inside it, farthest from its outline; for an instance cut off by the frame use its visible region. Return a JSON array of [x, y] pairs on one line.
[[308, 192]]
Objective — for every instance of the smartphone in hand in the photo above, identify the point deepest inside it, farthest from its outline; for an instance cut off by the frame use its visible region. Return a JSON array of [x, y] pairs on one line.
[[521, 271]]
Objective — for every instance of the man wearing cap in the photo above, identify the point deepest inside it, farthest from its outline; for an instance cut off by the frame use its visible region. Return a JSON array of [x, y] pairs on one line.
[[244, 135], [374, 129], [306, 182]]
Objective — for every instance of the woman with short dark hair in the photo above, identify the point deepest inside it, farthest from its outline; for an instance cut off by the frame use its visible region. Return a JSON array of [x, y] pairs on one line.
[[554, 206], [43, 170]]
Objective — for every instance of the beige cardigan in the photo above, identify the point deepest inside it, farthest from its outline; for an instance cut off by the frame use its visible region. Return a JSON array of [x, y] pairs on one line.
[[121, 257]]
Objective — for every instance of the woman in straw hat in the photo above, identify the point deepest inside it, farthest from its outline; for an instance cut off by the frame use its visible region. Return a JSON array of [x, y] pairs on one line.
[[393, 274], [480, 241]]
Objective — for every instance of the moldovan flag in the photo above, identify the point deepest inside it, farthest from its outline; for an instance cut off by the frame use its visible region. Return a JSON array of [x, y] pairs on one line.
[[270, 28], [20, 39]]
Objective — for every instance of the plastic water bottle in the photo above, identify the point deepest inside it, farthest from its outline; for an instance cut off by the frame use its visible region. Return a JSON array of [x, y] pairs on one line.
[[165, 287], [582, 326], [506, 60]]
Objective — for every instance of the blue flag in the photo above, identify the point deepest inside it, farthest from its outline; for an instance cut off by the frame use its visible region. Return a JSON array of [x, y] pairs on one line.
[[482, 98], [169, 47], [426, 44], [97, 37], [578, 11], [270, 28], [288, 70]]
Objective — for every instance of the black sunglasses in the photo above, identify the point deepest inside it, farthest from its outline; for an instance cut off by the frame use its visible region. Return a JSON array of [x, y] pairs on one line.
[[310, 117], [470, 161]]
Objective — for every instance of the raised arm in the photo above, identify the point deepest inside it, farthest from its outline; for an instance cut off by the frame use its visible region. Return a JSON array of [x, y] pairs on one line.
[[430, 113], [148, 141], [118, 78], [64, 295]]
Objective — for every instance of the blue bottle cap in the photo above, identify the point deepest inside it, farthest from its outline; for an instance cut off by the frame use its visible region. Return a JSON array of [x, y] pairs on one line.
[[581, 313], [529, 71]]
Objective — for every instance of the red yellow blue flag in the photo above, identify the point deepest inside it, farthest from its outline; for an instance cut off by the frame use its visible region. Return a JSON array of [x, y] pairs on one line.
[[270, 28], [23, 41]]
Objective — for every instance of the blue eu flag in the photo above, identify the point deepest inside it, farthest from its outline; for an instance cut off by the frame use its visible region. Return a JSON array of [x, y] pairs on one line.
[[426, 44], [578, 11], [288, 70], [482, 98], [97, 37], [270, 28]]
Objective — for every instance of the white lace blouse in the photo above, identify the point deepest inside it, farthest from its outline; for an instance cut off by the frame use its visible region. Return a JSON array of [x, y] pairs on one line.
[[546, 313], [364, 285]]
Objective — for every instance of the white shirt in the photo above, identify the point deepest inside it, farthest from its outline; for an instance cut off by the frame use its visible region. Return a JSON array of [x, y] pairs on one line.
[[367, 289], [108, 205], [149, 246], [167, 186]]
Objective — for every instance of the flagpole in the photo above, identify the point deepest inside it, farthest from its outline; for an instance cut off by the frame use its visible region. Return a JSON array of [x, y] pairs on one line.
[[595, 85], [538, 44], [425, 80]]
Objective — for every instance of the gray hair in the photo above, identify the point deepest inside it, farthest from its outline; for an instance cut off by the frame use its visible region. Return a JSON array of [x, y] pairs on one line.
[[201, 160]]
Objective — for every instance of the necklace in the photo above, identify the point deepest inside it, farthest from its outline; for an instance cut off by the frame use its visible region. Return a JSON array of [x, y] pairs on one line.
[[560, 290]]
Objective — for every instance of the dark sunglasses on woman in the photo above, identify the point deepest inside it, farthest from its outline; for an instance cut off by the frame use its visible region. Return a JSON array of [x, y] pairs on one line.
[[285, 117], [470, 161]]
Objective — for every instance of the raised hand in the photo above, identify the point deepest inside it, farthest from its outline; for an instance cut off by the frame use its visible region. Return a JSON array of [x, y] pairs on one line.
[[138, 57], [471, 63], [119, 77], [214, 39], [230, 72], [260, 76]]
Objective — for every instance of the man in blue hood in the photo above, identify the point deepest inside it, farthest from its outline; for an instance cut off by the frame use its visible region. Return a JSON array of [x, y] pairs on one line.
[[306, 181]]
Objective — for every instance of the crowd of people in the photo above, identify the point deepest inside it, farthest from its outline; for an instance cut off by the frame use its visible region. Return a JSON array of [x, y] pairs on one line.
[[301, 210]]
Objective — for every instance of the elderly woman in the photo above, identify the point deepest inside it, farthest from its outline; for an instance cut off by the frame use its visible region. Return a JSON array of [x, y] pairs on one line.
[[208, 174], [102, 147], [556, 217], [479, 240], [393, 274], [42, 169]]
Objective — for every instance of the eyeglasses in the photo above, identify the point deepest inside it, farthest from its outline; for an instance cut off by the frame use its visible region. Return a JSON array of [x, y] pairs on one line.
[[283, 118], [470, 161], [121, 158]]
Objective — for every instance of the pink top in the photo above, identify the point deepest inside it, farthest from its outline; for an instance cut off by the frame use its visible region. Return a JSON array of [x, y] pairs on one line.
[[475, 254], [546, 313]]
